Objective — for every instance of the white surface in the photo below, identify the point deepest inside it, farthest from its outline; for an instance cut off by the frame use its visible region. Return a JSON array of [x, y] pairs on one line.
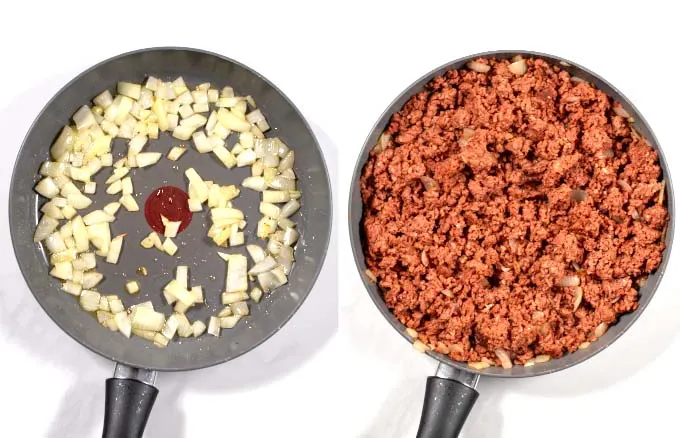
[[341, 65]]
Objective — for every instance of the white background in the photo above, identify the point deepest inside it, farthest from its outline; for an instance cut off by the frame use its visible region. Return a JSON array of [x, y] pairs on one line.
[[341, 65]]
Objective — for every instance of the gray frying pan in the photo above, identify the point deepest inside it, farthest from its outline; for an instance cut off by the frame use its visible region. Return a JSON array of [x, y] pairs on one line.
[[451, 394], [130, 394]]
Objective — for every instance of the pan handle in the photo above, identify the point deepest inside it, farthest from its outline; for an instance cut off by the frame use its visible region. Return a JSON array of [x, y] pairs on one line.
[[130, 395], [449, 398]]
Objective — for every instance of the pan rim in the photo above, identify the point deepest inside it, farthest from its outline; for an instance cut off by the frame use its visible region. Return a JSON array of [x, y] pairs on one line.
[[357, 247], [13, 225]]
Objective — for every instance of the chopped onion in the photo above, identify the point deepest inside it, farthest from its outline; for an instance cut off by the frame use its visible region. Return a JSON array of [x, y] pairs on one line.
[[84, 118], [265, 265], [62, 271], [144, 318], [256, 253], [226, 157], [256, 294], [129, 203], [600, 330], [231, 121], [91, 279], [172, 228], [97, 216], [145, 159], [240, 308], [660, 198], [275, 196], [160, 341], [55, 243], [132, 286], [198, 328], [228, 322], [281, 183], [254, 183], [569, 281], [234, 297], [46, 226], [214, 326], [624, 185], [80, 234], [89, 300], [478, 67], [290, 236], [518, 67], [169, 246], [176, 152], [47, 187], [289, 208], [237, 268], [114, 249], [578, 296]]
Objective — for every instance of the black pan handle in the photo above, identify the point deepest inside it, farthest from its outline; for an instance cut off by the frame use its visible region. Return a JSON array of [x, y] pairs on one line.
[[130, 396], [449, 398]]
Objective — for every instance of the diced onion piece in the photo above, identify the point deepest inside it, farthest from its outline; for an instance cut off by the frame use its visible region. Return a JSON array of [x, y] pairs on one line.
[[503, 356], [256, 294], [198, 185], [46, 226], [197, 292], [201, 142], [230, 120], [118, 174], [104, 99], [226, 157], [124, 323], [176, 152], [132, 286], [84, 118], [234, 297], [47, 187], [246, 158], [111, 208], [569, 281], [52, 210], [228, 322], [68, 212], [198, 328], [169, 246], [256, 253], [200, 107], [89, 300], [578, 297], [91, 279], [287, 162], [144, 334], [281, 183], [270, 210], [114, 249], [63, 143], [62, 271], [80, 234], [129, 203], [144, 318], [90, 188], [97, 216], [226, 311], [214, 326], [254, 183], [78, 201], [290, 236], [195, 205], [289, 208], [130, 90], [172, 228], [68, 255], [170, 327], [518, 67], [145, 159], [237, 268], [55, 243], [478, 67], [160, 341]]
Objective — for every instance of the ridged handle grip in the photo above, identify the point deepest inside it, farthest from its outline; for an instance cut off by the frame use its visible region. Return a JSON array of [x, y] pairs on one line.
[[446, 407], [127, 408]]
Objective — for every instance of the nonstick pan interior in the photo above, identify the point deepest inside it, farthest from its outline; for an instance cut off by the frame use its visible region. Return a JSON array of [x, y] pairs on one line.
[[195, 250], [615, 331]]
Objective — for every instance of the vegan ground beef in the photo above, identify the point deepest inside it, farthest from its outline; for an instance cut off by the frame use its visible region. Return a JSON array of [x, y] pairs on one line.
[[489, 190]]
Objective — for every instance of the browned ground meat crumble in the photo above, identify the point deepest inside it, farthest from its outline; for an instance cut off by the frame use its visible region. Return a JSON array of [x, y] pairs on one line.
[[471, 216]]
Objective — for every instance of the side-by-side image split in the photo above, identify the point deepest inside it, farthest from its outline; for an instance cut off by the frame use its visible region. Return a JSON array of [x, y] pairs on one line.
[[273, 225]]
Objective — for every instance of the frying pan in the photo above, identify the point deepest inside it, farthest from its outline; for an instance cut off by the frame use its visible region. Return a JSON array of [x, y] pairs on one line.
[[130, 394], [450, 394]]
